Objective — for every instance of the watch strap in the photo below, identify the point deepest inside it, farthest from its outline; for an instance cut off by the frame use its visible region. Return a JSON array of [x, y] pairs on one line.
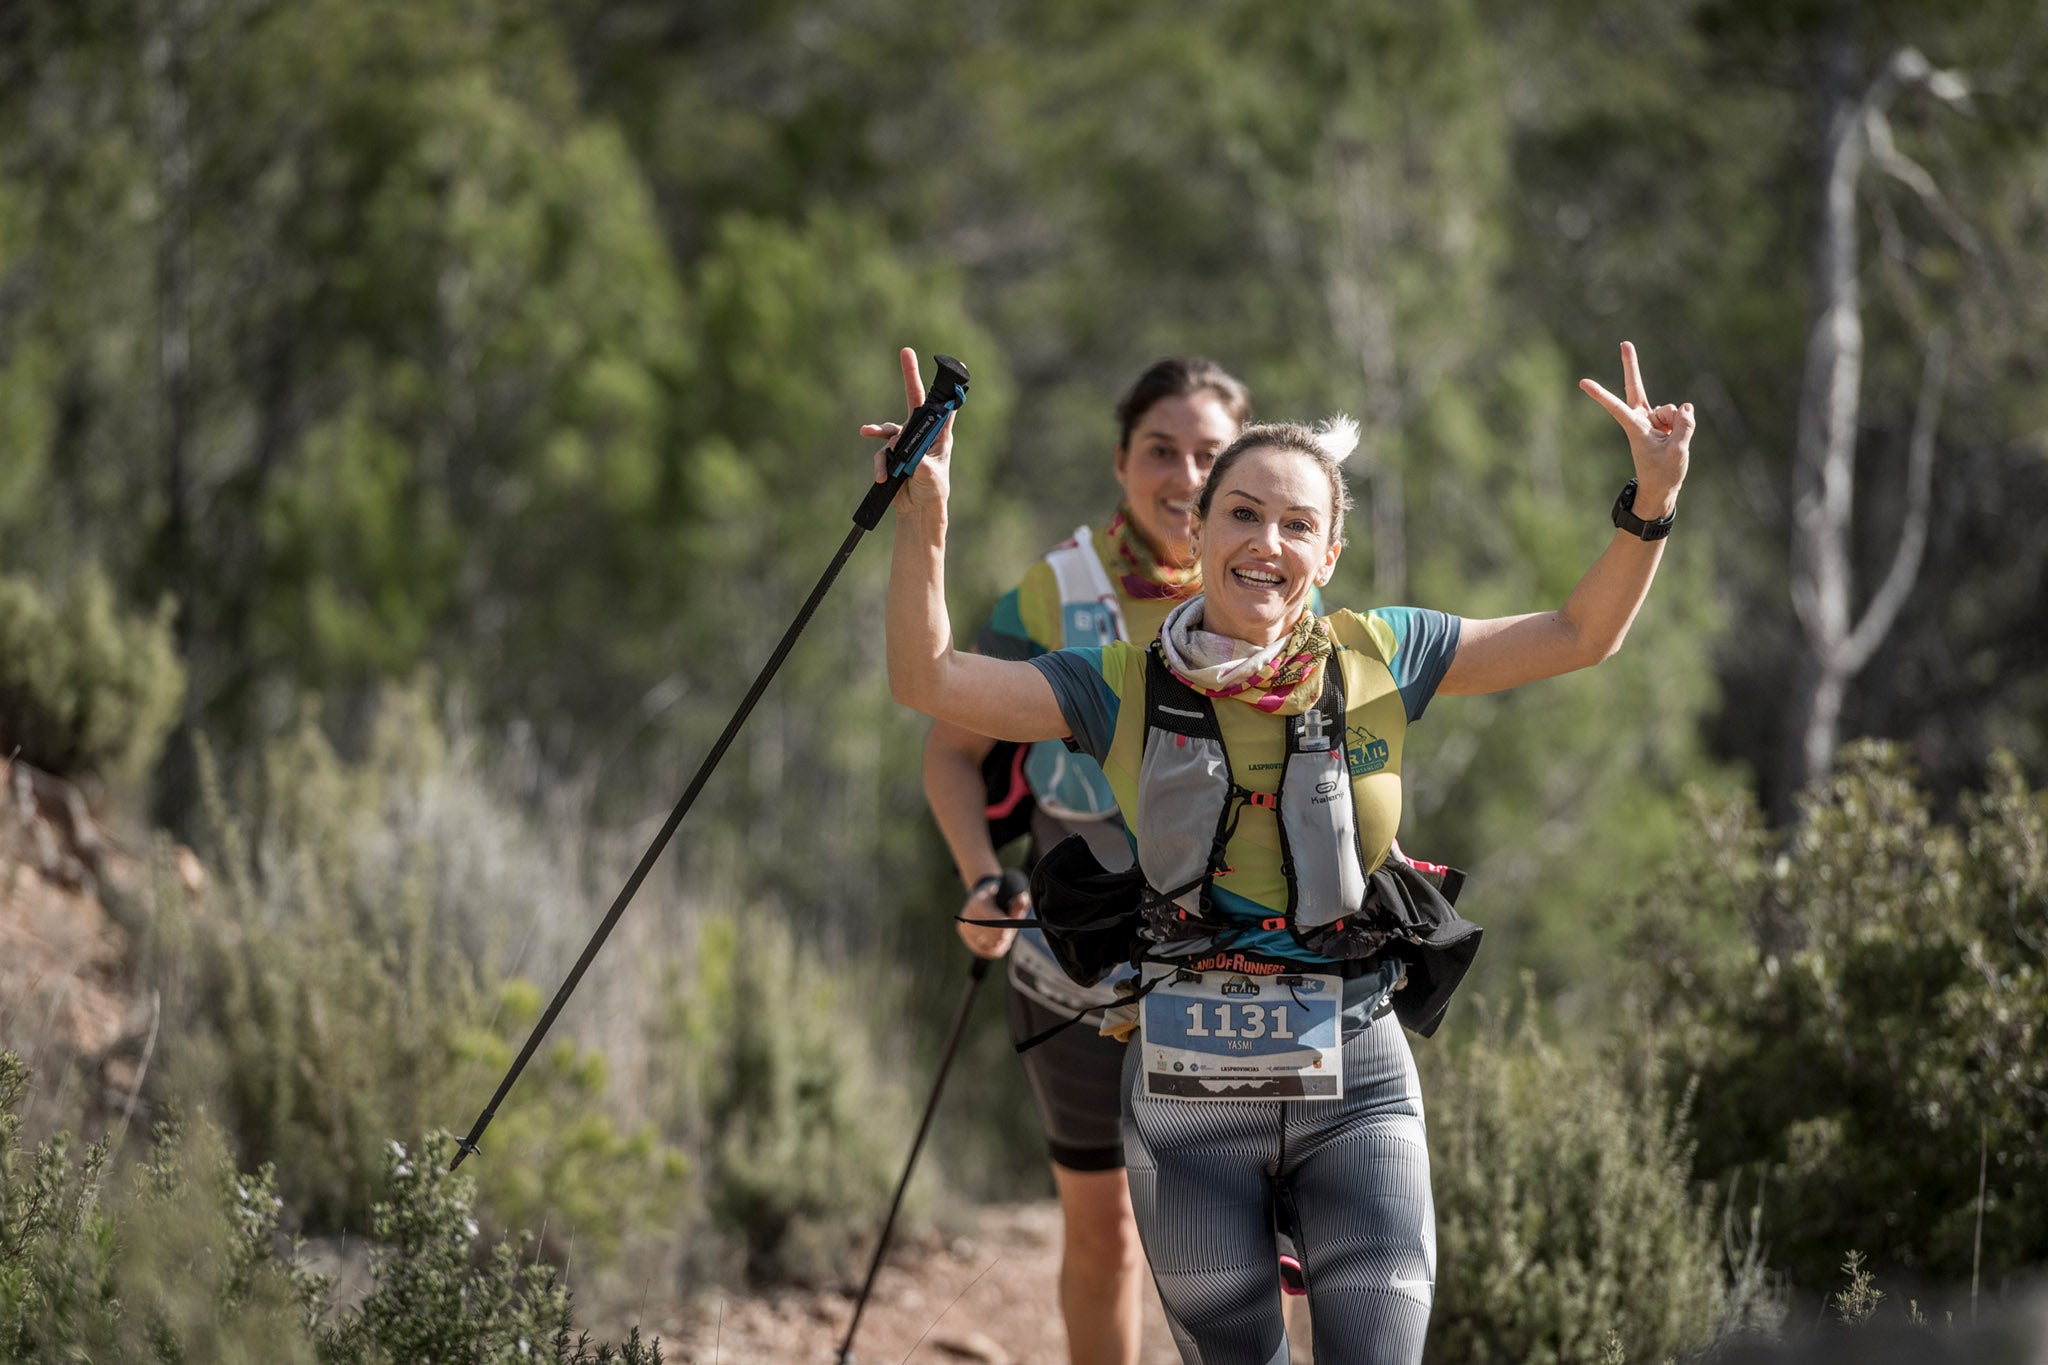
[[1625, 518]]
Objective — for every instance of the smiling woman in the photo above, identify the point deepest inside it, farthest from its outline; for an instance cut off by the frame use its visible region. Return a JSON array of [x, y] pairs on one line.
[[1115, 581], [1254, 750], [1278, 527]]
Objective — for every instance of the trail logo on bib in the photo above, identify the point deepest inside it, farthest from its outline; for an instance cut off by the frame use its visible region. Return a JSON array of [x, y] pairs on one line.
[[1366, 751]]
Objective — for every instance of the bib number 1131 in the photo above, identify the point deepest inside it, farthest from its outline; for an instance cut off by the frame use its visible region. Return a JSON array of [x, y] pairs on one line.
[[1239, 1021], [1231, 1036]]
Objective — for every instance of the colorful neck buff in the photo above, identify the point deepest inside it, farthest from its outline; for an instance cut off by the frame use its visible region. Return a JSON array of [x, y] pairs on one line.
[[1281, 679], [1143, 577]]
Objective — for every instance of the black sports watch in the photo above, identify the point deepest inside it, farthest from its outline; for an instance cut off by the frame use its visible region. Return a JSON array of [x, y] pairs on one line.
[[1626, 519]]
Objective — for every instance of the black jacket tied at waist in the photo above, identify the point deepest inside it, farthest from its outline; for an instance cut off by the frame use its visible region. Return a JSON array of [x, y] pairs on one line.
[[1095, 921]]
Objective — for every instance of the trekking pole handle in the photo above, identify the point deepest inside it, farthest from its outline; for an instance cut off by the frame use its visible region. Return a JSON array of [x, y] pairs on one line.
[[947, 392]]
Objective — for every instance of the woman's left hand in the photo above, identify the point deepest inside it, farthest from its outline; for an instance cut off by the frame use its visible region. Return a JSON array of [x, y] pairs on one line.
[[926, 489], [1659, 438]]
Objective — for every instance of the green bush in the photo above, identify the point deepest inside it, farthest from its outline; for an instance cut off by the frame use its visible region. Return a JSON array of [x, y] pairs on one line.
[[1568, 1226], [84, 687], [320, 1001], [435, 1300], [346, 978], [800, 1134], [178, 1263], [1886, 1028]]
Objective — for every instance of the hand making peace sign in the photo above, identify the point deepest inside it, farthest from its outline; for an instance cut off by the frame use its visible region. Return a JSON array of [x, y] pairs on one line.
[[1659, 439]]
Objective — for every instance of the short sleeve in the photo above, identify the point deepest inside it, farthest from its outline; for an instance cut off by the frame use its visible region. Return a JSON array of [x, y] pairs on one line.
[[1087, 702], [1004, 637], [1025, 621], [1423, 643]]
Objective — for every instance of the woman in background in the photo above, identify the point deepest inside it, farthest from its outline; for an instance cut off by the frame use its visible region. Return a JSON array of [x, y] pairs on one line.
[[1116, 582]]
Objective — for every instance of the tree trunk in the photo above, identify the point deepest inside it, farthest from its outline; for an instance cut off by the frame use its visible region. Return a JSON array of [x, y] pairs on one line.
[[165, 53], [1835, 642]]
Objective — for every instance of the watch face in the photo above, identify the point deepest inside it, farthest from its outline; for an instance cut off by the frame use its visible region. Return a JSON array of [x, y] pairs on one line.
[[1624, 502]]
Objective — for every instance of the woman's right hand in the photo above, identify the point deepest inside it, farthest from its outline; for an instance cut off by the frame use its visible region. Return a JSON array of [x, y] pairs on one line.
[[928, 487], [981, 940]]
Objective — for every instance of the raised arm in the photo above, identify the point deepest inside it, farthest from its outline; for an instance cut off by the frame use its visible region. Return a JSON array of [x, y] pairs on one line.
[[1507, 651], [1000, 698]]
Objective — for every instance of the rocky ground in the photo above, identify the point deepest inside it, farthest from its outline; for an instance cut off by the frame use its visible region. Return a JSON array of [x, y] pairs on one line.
[[66, 1002]]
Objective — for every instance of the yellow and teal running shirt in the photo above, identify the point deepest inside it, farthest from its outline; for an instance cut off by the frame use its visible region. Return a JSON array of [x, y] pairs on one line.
[[1396, 658], [1032, 619]]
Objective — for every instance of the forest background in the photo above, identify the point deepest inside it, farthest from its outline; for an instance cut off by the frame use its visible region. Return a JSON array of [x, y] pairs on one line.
[[417, 423]]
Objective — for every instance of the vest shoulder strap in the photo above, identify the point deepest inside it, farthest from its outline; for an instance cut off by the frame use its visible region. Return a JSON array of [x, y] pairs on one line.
[[1082, 582], [1171, 705]]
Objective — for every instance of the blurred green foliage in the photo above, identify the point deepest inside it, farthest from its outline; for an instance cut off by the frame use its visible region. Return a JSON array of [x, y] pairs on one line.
[[1885, 1040], [328, 991], [318, 1001], [518, 346], [1568, 1222], [177, 1259], [777, 1075], [85, 688]]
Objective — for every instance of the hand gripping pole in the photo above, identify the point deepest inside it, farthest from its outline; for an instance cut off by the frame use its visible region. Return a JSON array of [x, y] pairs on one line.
[[947, 392]]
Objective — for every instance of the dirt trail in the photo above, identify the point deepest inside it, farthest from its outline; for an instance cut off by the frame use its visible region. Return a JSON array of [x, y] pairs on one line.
[[990, 1298]]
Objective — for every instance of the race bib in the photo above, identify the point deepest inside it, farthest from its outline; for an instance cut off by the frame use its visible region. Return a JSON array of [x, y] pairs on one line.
[[1226, 1036]]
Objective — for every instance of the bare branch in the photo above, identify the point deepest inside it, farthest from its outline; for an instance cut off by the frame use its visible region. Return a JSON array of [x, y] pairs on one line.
[[1905, 568], [1884, 151]]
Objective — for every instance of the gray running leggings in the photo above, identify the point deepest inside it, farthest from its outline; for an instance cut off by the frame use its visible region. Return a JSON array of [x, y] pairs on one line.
[[1352, 1175]]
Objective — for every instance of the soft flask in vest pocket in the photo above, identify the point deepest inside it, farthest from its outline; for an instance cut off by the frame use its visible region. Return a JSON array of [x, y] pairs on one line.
[[1067, 785], [1089, 916]]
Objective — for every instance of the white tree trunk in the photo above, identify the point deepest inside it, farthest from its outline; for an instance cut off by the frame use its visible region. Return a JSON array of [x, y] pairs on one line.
[[1834, 643]]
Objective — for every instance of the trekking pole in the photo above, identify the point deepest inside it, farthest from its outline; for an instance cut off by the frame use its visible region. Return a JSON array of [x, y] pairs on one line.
[[1013, 886], [947, 392]]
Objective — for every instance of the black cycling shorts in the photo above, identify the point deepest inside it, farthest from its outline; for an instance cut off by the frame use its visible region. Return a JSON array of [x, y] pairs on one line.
[[1077, 1082]]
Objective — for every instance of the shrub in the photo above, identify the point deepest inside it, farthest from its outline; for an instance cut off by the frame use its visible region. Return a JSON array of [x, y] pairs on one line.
[[319, 999], [1568, 1227], [179, 1263], [435, 1300], [328, 992], [84, 687], [800, 1134], [1887, 1027], [56, 1244]]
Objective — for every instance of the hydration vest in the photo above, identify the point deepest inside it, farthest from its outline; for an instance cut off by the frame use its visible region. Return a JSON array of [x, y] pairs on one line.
[[1339, 903], [1066, 785], [1189, 803]]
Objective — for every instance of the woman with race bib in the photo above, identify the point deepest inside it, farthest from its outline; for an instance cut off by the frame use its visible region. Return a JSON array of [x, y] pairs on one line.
[[1254, 750], [1115, 582]]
